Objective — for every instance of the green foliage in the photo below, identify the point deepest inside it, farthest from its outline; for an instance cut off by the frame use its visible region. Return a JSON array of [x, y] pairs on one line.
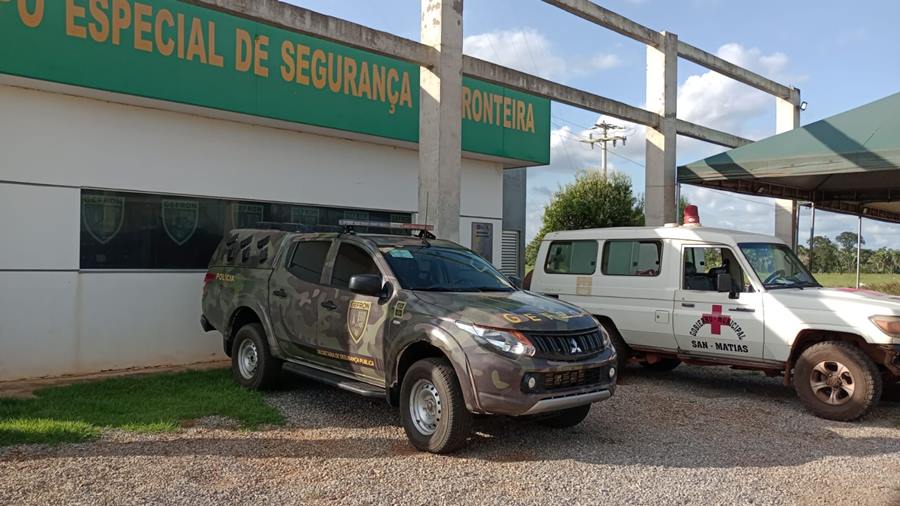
[[589, 202], [155, 403], [886, 283], [840, 257]]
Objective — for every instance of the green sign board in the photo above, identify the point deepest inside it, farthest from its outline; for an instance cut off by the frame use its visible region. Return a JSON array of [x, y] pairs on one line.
[[169, 50]]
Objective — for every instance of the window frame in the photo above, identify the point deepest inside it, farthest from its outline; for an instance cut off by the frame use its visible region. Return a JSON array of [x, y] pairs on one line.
[[659, 249], [293, 251], [571, 241], [751, 285], [335, 254]]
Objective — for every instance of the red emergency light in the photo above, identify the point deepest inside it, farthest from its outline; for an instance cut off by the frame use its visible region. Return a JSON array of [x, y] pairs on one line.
[[691, 215]]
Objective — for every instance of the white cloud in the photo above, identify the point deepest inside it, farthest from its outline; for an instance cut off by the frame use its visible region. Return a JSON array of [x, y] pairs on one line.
[[529, 51], [706, 98]]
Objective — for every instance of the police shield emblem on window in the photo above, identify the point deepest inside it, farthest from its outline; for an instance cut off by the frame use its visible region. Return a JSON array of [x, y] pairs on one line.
[[102, 216], [358, 318], [180, 219]]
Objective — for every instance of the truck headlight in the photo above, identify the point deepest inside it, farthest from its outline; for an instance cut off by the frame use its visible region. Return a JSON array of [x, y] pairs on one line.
[[509, 342], [890, 325], [607, 342]]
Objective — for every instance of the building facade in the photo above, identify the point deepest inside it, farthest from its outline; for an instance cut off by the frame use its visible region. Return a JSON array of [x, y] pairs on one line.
[[133, 137]]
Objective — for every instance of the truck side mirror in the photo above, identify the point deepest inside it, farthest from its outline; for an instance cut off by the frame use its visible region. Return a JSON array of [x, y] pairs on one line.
[[366, 284], [724, 285]]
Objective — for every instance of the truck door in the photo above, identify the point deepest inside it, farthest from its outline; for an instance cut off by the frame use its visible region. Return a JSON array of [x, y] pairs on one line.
[[352, 326], [708, 322], [295, 292]]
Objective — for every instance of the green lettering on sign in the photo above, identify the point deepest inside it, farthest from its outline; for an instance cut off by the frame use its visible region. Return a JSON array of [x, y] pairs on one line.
[[168, 50]]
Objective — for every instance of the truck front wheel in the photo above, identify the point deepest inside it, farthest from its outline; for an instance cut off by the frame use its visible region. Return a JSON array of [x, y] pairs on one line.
[[432, 408], [251, 363], [837, 381]]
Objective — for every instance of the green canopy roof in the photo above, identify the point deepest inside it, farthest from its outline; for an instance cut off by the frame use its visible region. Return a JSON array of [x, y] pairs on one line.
[[847, 163]]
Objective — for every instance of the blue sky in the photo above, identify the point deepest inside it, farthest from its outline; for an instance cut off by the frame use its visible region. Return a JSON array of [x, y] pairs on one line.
[[840, 54]]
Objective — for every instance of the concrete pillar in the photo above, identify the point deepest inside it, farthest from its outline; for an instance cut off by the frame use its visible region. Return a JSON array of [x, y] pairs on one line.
[[787, 117], [660, 199], [440, 118]]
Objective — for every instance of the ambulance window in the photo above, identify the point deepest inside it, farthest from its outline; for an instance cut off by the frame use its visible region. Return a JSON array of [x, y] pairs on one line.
[[703, 265], [308, 260], [571, 257], [631, 258], [351, 260]]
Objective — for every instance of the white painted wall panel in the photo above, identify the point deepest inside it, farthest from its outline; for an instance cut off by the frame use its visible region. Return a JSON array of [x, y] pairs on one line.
[[39, 226], [134, 319], [105, 145], [38, 324]]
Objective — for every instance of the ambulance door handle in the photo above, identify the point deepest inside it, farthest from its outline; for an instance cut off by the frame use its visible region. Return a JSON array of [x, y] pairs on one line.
[[687, 304], [742, 309], [280, 293], [329, 305]]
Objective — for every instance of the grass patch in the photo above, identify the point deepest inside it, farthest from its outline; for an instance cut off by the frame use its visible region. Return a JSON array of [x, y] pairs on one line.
[[154, 403], [887, 283]]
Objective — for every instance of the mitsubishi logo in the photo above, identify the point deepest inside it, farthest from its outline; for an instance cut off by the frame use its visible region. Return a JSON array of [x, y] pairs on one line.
[[574, 349]]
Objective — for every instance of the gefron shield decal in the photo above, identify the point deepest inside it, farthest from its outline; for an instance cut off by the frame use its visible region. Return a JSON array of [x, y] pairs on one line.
[[180, 219], [358, 318], [102, 216], [247, 215]]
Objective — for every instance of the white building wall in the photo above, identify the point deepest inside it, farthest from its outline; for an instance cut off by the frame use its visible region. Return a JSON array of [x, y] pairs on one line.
[[55, 319]]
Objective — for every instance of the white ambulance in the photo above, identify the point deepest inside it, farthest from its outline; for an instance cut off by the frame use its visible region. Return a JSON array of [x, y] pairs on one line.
[[709, 296]]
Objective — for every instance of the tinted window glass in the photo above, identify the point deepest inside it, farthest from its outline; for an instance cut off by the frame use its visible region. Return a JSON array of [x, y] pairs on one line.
[[308, 260], [631, 258], [123, 230], [351, 261], [571, 257], [444, 269]]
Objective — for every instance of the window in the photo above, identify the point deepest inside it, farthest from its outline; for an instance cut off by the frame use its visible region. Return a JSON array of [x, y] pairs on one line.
[[571, 257], [703, 265], [443, 268], [631, 258], [777, 266], [351, 260], [126, 230], [309, 259]]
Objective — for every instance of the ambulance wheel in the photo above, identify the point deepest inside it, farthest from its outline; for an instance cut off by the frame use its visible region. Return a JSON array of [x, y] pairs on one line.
[[662, 365], [566, 418], [837, 381], [251, 363], [432, 408]]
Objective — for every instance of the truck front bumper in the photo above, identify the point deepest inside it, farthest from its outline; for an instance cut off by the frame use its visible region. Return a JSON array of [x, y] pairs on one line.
[[510, 389]]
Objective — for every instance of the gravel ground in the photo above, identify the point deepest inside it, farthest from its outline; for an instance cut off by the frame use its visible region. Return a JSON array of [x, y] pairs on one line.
[[696, 435]]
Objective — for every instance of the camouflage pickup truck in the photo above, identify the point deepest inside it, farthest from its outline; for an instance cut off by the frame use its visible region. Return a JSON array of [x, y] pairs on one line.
[[427, 325]]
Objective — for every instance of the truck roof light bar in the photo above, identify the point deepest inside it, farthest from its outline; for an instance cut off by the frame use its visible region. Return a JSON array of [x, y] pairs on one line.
[[424, 231]]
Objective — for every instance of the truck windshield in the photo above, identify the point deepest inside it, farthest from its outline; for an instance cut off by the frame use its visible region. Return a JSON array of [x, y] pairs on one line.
[[777, 266], [444, 269]]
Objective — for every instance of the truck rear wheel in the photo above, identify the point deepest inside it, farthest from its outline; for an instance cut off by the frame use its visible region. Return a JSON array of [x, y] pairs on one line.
[[837, 381], [565, 418], [252, 365], [432, 408]]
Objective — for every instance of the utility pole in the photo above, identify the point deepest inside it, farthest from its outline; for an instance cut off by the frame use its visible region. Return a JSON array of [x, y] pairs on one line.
[[605, 138]]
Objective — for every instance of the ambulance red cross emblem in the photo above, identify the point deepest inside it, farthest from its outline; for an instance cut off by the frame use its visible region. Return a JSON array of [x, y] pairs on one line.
[[716, 319]]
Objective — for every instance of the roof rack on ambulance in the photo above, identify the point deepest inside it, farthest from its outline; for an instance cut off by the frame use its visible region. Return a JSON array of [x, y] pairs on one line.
[[424, 231]]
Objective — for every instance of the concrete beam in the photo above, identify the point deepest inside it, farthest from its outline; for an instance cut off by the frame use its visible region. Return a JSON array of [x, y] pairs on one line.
[[609, 19], [510, 78], [298, 19], [787, 117], [711, 135], [440, 119], [660, 194], [728, 69]]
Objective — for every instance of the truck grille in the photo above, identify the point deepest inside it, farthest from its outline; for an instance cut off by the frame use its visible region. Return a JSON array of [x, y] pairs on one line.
[[568, 346], [572, 379]]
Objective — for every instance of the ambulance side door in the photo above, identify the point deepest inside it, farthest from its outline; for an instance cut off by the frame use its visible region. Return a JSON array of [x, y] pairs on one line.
[[709, 322]]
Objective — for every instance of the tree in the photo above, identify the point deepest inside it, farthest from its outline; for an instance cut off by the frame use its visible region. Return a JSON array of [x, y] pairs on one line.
[[591, 201], [847, 240], [825, 255]]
